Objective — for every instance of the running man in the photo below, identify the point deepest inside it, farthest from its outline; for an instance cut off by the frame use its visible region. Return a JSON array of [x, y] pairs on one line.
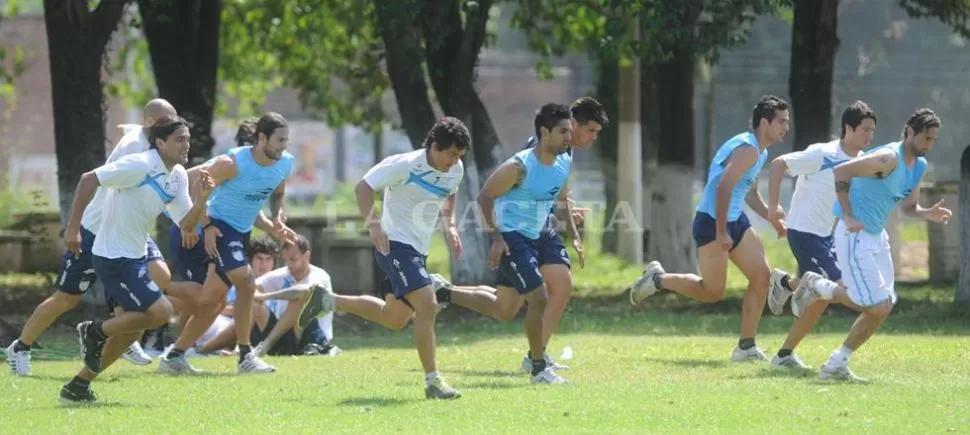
[[810, 220], [869, 188], [722, 230], [530, 255], [246, 178], [417, 186], [588, 119], [139, 187], [77, 273]]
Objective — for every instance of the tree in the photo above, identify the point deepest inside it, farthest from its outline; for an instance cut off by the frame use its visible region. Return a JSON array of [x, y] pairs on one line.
[[183, 41], [77, 38], [962, 295], [674, 36], [814, 42], [337, 54]]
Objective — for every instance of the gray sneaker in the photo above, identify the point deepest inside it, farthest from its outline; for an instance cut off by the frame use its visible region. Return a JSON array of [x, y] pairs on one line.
[[839, 373], [750, 354], [439, 389], [644, 287], [789, 362], [176, 366], [805, 294], [778, 294]]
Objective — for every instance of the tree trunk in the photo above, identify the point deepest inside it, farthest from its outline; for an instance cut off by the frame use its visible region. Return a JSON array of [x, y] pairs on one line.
[[962, 296], [814, 42], [402, 44], [183, 41], [607, 91], [452, 55], [77, 39], [671, 86]]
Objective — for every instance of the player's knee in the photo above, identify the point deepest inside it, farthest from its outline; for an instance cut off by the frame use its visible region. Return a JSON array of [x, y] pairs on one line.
[[424, 304], [881, 309], [160, 312], [538, 299], [506, 312], [760, 281], [713, 292]]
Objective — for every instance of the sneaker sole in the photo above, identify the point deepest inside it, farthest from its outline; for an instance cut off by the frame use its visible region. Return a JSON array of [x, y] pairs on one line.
[[314, 302]]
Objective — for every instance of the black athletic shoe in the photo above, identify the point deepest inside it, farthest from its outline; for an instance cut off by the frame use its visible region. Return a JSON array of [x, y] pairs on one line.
[[74, 394], [90, 347]]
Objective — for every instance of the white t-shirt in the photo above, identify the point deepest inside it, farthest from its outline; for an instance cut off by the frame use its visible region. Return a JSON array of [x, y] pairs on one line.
[[413, 194], [132, 142], [139, 188], [811, 203], [281, 278]]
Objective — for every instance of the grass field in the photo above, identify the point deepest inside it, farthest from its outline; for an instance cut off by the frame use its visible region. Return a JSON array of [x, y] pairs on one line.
[[663, 368], [659, 370]]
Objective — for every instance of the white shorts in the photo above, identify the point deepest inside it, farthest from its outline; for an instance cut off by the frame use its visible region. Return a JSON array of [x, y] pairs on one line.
[[867, 266]]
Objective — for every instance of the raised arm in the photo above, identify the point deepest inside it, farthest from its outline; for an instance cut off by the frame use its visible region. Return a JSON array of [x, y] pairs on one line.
[[741, 159], [879, 164], [499, 183]]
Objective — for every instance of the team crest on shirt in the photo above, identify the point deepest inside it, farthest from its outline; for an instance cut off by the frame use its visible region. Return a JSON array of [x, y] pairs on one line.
[[238, 255], [423, 272]]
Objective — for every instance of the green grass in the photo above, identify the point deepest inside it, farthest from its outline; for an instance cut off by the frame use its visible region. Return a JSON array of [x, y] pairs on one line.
[[655, 370]]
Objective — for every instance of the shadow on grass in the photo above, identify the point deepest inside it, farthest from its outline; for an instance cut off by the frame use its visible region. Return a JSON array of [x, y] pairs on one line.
[[376, 402], [99, 405], [691, 363], [922, 310]]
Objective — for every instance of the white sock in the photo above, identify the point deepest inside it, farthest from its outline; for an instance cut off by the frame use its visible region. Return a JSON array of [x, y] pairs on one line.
[[840, 357], [430, 377], [826, 288]]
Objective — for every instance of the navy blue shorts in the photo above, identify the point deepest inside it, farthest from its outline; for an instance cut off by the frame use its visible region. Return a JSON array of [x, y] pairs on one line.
[[232, 248], [190, 264], [705, 229], [405, 267], [814, 254], [520, 269], [126, 282], [77, 271]]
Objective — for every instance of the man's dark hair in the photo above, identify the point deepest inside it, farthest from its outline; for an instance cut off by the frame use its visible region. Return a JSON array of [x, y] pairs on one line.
[[301, 243], [856, 113], [922, 120], [549, 115], [587, 109], [448, 132], [164, 127], [246, 134], [268, 123], [766, 109], [263, 245]]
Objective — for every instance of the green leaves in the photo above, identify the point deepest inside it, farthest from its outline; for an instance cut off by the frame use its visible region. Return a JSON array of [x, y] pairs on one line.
[[554, 27]]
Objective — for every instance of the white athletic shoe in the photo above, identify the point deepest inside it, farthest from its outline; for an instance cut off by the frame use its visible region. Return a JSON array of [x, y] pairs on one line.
[[750, 354], [839, 373], [253, 364], [19, 362], [789, 362], [176, 366], [527, 364], [440, 284], [644, 288], [778, 294], [548, 376], [136, 355], [805, 294]]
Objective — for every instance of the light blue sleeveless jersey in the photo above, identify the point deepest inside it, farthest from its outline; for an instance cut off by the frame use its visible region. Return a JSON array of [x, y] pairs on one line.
[[708, 203], [237, 201], [873, 198], [525, 207]]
